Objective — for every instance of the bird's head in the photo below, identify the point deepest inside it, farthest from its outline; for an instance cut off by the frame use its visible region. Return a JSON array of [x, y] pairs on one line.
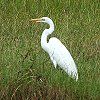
[[43, 19]]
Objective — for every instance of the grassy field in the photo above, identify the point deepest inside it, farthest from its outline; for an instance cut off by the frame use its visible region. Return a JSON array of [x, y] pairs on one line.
[[26, 72]]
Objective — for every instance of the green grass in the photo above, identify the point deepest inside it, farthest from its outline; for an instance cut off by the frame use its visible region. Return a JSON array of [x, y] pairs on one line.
[[26, 72]]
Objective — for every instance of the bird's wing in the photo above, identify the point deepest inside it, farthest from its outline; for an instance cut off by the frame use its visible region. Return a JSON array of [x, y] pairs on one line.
[[62, 57]]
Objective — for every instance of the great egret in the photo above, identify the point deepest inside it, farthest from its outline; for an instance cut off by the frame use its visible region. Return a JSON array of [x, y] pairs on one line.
[[57, 51]]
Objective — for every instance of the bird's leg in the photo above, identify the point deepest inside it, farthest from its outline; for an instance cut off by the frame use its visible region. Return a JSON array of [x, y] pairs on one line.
[[54, 62]]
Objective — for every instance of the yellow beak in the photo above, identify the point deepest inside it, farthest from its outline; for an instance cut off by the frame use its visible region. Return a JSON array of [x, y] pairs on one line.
[[35, 20]]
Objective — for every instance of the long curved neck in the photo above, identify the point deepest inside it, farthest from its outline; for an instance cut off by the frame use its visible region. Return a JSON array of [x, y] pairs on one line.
[[45, 33]]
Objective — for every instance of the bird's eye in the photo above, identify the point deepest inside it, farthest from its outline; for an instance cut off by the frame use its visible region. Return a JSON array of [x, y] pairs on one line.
[[43, 19]]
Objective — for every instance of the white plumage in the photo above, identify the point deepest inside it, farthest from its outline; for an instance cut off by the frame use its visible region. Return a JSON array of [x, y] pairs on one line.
[[58, 53]]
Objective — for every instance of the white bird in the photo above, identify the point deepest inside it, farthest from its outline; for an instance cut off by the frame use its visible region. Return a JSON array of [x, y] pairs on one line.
[[58, 53]]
